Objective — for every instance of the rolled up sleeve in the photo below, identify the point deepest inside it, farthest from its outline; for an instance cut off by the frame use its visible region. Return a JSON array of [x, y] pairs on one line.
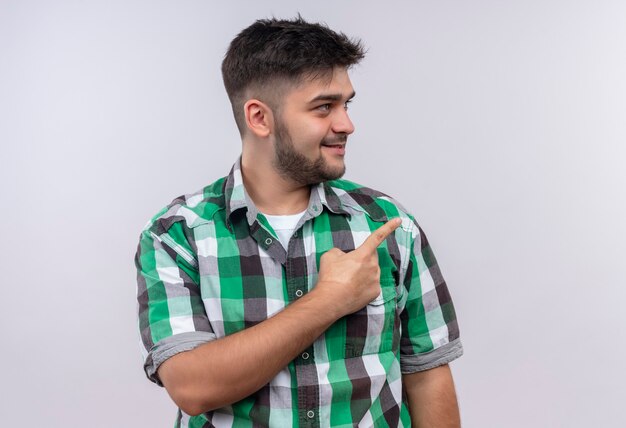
[[171, 314], [430, 332]]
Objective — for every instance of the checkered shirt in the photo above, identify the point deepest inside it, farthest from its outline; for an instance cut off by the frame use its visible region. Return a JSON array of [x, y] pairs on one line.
[[209, 265]]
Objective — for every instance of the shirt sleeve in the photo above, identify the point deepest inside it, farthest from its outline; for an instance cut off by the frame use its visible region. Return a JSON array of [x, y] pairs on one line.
[[172, 317], [430, 332]]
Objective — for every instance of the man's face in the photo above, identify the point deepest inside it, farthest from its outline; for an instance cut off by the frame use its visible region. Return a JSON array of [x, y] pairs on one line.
[[312, 128]]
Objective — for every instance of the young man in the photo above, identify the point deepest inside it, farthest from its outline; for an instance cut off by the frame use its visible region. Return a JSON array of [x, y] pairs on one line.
[[281, 295]]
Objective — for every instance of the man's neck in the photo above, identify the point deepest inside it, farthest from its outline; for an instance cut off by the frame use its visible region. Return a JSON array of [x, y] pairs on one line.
[[270, 192]]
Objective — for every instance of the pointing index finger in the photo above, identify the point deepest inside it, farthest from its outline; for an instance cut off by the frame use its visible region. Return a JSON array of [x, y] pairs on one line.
[[379, 235]]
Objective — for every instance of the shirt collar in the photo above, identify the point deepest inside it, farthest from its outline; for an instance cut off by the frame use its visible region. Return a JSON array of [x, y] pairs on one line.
[[236, 197]]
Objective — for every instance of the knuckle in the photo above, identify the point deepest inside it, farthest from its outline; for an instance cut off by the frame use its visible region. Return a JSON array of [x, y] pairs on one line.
[[330, 254]]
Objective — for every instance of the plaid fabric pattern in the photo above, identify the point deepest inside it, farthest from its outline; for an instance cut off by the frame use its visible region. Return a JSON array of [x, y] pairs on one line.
[[210, 265]]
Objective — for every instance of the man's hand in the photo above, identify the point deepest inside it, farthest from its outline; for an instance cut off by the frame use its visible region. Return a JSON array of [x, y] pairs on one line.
[[352, 280]]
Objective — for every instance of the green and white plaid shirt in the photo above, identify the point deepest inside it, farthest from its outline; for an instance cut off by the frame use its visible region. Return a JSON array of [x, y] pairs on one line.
[[210, 265]]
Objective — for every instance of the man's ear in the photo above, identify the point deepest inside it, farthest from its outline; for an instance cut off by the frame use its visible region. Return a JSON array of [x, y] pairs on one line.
[[259, 118]]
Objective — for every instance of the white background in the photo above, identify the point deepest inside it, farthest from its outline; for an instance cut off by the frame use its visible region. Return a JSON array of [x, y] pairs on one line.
[[499, 124]]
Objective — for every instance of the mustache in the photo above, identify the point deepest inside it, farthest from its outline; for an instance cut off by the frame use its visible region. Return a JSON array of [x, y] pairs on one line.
[[340, 138]]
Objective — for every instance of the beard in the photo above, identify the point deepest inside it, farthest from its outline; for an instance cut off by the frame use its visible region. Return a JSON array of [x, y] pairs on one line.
[[295, 166]]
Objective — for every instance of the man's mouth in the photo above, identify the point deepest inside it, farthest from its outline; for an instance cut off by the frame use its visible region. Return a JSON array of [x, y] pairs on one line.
[[337, 149], [338, 141]]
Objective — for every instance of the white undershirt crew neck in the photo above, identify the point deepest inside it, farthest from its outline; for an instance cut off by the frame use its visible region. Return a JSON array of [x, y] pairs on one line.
[[284, 225]]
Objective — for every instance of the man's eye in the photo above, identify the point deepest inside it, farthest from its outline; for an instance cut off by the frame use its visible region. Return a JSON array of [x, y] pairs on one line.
[[324, 107]]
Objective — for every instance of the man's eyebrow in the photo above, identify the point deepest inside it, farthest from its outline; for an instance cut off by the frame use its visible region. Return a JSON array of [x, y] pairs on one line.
[[331, 97]]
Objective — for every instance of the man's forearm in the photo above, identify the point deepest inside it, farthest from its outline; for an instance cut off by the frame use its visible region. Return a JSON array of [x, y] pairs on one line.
[[432, 399], [231, 368]]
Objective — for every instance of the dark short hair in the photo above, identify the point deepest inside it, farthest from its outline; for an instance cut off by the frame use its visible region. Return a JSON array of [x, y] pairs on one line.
[[271, 51]]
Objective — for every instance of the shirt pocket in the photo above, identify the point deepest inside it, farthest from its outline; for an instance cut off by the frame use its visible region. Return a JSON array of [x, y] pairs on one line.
[[371, 330]]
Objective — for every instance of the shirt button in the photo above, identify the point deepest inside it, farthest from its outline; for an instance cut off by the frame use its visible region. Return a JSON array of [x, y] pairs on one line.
[[305, 355], [315, 208], [268, 241], [310, 413], [299, 293]]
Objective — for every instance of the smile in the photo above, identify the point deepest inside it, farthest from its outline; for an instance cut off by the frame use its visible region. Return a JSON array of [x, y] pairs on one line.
[[337, 149]]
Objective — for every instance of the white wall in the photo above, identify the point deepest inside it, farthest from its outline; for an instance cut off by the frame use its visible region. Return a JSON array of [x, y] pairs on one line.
[[501, 125]]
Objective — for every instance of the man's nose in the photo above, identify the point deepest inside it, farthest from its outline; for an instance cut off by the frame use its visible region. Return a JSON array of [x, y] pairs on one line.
[[342, 123]]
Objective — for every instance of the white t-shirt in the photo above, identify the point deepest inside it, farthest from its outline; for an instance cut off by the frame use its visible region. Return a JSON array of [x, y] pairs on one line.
[[284, 225]]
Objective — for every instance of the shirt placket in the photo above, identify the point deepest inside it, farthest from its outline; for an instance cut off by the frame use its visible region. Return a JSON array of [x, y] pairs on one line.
[[306, 372]]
